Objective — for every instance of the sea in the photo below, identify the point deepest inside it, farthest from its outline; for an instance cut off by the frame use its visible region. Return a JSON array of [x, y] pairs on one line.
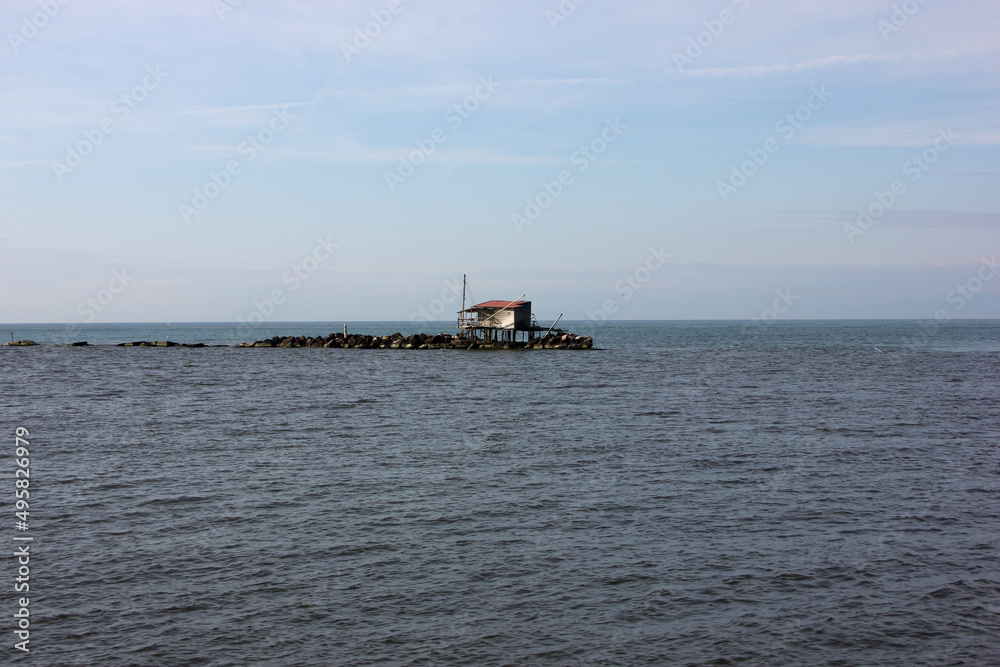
[[686, 493]]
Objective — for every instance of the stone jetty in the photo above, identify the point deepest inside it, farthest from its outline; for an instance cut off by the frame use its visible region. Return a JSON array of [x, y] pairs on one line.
[[420, 341]]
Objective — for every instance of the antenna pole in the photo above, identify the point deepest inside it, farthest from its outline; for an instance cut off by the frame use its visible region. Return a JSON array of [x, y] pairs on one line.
[[461, 315]]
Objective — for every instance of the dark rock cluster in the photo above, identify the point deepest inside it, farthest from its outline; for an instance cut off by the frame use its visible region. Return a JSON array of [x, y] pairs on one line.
[[421, 341]]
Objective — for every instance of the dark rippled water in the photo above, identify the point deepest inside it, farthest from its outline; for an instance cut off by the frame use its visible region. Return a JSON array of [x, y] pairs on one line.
[[693, 493]]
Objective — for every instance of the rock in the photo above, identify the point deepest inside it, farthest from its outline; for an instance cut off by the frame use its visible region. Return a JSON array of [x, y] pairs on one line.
[[562, 341], [81, 343]]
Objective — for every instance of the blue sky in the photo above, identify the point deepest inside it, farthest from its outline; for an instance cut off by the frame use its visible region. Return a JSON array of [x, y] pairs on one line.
[[237, 152]]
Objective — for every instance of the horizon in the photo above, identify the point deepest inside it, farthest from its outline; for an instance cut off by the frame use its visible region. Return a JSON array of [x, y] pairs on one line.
[[594, 325], [270, 323]]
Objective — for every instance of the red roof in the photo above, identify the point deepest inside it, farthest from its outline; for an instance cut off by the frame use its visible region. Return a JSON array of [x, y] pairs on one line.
[[500, 304]]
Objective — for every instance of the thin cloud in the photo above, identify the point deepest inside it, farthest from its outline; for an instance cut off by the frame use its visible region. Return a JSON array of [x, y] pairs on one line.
[[793, 67], [941, 220], [19, 163], [250, 107], [904, 219], [923, 58], [899, 137]]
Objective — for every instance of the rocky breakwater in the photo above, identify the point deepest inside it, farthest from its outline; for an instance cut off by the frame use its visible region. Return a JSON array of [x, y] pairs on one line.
[[442, 341]]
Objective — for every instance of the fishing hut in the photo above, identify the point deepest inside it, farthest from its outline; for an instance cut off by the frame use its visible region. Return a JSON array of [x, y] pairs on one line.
[[499, 320]]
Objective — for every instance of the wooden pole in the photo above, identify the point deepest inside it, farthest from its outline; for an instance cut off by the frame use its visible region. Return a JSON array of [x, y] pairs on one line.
[[553, 325]]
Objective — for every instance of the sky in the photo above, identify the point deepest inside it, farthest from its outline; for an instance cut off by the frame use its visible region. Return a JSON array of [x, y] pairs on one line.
[[219, 160]]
